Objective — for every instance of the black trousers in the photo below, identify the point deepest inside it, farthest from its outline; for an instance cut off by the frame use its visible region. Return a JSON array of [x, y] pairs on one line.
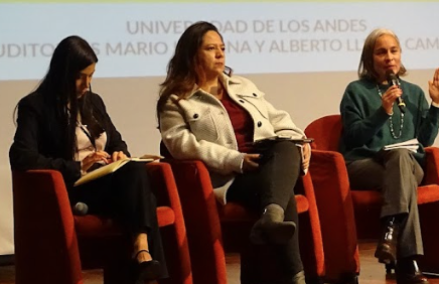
[[127, 197], [274, 182]]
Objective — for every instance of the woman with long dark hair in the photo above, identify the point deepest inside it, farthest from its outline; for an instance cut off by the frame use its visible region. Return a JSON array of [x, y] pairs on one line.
[[64, 126], [215, 117]]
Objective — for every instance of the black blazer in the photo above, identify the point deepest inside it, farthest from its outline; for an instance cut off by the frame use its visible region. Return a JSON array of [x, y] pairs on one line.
[[37, 146]]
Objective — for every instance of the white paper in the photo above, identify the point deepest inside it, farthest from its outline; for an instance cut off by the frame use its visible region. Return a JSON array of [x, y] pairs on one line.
[[412, 145]]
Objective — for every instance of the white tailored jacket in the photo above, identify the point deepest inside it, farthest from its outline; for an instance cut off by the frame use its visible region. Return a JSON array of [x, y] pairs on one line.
[[199, 127]]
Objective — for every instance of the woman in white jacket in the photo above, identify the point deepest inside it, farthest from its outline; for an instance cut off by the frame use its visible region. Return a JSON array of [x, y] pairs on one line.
[[208, 115]]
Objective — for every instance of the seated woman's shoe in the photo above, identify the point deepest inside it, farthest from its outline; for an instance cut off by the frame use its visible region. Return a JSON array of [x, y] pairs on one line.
[[386, 248], [147, 271], [408, 272], [271, 227]]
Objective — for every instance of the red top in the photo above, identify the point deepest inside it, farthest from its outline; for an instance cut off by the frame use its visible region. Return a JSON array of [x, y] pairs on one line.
[[242, 123]]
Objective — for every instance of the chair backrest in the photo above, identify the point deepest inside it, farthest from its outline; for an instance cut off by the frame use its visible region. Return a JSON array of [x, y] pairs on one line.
[[326, 132]]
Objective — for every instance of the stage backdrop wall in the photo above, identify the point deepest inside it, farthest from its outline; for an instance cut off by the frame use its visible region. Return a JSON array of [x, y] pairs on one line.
[[301, 54]]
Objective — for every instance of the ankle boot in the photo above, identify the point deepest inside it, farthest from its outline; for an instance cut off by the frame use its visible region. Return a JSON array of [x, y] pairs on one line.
[[271, 227], [386, 248], [408, 272]]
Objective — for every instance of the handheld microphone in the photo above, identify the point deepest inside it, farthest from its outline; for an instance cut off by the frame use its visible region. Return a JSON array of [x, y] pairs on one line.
[[80, 209], [392, 79]]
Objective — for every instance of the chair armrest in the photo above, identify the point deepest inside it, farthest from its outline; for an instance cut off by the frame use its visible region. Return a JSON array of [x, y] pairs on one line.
[[44, 228], [431, 175], [336, 212], [196, 195], [306, 186], [202, 220], [329, 174], [162, 180], [163, 185]]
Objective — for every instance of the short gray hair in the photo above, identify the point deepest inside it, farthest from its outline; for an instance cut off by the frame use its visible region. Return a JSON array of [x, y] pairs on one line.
[[365, 69]]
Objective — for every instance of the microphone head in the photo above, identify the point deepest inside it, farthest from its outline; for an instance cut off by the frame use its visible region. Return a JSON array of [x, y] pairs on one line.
[[392, 79], [80, 209]]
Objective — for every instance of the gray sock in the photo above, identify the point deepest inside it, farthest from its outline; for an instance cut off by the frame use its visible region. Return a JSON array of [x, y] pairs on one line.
[[299, 278], [273, 213]]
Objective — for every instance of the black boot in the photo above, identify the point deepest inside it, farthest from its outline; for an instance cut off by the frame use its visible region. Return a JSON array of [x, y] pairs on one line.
[[271, 227], [386, 248]]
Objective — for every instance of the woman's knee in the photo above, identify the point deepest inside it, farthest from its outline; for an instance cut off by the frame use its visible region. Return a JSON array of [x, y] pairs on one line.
[[288, 149], [132, 169], [400, 156], [399, 153], [133, 173]]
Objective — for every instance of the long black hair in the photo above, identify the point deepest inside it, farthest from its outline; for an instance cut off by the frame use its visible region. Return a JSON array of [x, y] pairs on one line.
[[58, 87]]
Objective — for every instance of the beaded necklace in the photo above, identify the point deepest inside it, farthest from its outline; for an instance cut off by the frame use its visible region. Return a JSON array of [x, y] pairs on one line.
[[392, 130]]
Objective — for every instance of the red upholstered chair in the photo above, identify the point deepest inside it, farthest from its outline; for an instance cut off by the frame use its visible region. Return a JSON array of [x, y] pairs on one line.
[[337, 203], [52, 245], [213, 229]]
